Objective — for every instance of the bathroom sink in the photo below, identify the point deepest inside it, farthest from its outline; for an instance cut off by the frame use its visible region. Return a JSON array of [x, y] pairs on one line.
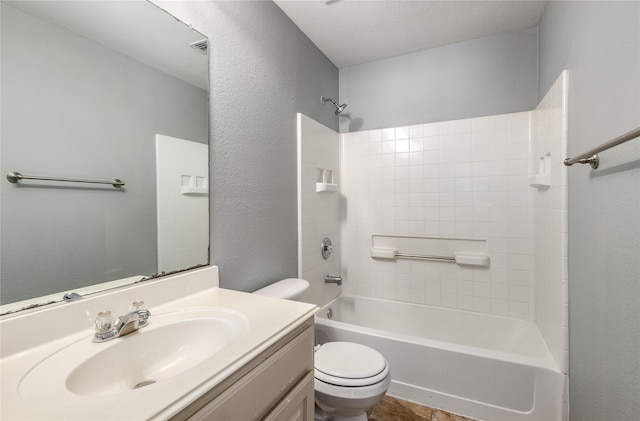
[[172, 345]]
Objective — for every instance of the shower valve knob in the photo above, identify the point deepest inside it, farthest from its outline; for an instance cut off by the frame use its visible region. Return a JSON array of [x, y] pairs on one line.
[[326, 248]]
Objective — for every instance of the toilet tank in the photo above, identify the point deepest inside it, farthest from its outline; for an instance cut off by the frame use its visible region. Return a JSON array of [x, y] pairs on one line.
[[288, 289]]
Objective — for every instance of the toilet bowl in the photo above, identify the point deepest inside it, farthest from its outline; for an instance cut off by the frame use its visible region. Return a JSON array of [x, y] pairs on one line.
[[350, 378]]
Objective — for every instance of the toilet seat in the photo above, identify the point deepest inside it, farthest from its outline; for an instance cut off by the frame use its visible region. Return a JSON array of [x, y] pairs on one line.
[[349, 364]]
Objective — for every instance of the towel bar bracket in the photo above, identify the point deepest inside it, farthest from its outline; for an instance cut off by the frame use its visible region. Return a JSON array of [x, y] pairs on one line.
[[593, 160], [591, 156]]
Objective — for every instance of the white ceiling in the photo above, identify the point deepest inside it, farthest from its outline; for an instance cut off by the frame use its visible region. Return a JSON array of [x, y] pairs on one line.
[[351, 32]]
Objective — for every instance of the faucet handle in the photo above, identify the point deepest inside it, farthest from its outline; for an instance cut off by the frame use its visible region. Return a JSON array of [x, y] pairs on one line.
[[140, 308], [137, 306], [104, 322]]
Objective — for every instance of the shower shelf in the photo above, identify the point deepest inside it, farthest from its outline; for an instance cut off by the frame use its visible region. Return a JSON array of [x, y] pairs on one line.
[[194, 191], [540, 181], [325, 181], [194, 185], [326, 187]]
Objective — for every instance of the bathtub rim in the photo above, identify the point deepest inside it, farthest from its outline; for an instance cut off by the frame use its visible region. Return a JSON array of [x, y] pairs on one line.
[[545, 362]]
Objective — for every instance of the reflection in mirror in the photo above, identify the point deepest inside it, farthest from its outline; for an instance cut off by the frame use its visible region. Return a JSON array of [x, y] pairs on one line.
[[100, 90]]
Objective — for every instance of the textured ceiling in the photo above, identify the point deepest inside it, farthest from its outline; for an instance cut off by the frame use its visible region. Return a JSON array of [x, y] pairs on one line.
[[352, 32]]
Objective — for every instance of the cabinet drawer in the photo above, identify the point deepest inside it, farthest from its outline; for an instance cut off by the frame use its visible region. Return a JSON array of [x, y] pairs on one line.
[[255, 394]]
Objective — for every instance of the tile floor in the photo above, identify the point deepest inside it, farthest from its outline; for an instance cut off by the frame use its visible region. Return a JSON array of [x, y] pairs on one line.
[[393, 409]]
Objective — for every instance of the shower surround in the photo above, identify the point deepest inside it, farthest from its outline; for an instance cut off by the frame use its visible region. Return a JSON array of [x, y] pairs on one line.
[[499, 179], [464, 179]]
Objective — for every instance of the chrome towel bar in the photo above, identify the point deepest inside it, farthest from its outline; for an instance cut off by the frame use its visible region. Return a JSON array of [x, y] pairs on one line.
[[460, 251], [591, 156], [425, 257], [16, 177], [469, 259]]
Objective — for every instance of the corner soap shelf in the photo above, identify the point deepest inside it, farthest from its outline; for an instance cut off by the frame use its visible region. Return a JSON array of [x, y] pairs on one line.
[[194, 191], [326, 187], [542, 180], [325, 181], [194, 185]]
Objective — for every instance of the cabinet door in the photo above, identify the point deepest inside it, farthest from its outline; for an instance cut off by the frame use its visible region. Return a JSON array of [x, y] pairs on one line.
[[298, 405], [251, 397]]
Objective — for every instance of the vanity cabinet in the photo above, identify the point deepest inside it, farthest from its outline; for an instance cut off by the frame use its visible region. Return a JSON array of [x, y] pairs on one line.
[[277, 385]]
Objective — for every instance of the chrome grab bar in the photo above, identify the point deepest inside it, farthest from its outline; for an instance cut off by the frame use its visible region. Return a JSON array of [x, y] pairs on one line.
[[426, 257], [591, 156], [16, 177]]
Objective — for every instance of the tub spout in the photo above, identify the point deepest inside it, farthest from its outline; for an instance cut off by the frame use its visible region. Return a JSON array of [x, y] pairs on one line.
[[330, 279]]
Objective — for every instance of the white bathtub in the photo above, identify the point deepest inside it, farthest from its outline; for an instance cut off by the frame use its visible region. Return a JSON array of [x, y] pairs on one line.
[[482, 366]]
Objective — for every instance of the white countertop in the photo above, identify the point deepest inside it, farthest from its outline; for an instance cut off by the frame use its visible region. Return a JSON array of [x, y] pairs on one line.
[[268, 319]]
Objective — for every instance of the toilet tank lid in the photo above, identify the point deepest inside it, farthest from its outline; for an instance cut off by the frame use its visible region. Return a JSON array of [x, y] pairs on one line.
[[289, 289]]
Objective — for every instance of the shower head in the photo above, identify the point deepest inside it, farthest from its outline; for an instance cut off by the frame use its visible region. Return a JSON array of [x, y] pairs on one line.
[[339, 108]]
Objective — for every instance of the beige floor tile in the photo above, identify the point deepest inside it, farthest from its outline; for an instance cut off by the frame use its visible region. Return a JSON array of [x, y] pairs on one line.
[[394, 409], [439, 415]]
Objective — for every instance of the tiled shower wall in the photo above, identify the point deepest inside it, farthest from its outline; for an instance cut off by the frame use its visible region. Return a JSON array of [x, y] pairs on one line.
[[458, 179], [465, 179], [318, 212], [551, 220]]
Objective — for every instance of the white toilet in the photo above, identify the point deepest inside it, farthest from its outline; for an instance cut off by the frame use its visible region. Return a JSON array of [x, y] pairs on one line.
[[350, 378]]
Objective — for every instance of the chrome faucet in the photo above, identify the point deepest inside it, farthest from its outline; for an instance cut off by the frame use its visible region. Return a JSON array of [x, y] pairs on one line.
[[108, 328], [330, 279]]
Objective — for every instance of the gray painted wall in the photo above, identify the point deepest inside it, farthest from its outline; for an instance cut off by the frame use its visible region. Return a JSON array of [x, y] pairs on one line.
[[56, 238], [480, 77], [263, 71], [599, 42]]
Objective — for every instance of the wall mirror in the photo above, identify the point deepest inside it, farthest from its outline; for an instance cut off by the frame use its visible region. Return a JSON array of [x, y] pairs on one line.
[[100, 90]]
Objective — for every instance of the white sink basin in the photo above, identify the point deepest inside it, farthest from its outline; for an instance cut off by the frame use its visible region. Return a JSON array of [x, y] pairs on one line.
[[173, 344]]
